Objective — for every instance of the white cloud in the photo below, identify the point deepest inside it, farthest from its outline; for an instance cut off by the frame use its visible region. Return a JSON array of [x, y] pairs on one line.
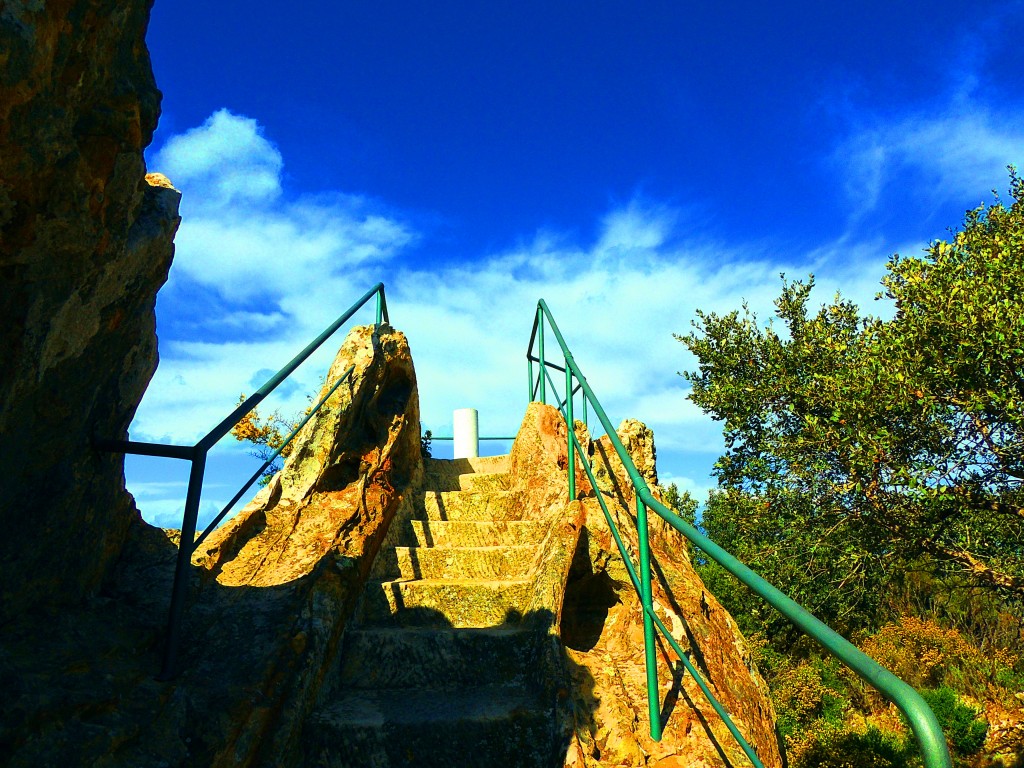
[[698, 489], [167, 512], [285, 270], [955, 153], [225, 160], [240, 237]]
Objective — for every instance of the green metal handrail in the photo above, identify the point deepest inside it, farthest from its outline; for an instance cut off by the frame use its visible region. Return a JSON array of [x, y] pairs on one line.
[[437, 437], [196, 454], [922, 720]]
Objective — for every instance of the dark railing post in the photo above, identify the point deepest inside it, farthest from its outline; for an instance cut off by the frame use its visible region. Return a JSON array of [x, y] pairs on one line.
[[179, 592], [570, 425], [650, 651]]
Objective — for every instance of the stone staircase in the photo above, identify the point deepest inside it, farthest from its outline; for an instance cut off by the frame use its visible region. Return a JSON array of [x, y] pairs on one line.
[[445, 664]]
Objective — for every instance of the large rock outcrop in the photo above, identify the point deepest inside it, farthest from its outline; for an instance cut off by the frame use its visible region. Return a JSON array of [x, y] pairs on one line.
[[601, 625], [294, 561], [85, 242], [270, 593]]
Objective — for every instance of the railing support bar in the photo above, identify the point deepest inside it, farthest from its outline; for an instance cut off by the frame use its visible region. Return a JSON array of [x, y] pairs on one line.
[[650, 651], [571, 426], [145, 449], [540, 348], [179, 593]]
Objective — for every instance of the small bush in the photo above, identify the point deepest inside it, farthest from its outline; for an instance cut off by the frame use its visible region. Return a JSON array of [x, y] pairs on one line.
[[835, 747], [925, 655], [964, 730], [811, 691]]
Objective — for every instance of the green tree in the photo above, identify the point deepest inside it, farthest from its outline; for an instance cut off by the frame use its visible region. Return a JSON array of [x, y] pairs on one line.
[[267, 435], [680, 502], [856, 445]]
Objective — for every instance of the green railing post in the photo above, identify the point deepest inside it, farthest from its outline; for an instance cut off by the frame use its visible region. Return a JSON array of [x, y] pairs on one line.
[[529, 375], [570, 425], [380, 308], [650, 651], [540, 349]]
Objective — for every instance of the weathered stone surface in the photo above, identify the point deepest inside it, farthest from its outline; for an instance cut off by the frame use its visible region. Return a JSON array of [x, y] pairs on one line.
[[295, 559], [85, 243], [270, 595], [602, 627], [348, 460], [539, 458], [638, 440]]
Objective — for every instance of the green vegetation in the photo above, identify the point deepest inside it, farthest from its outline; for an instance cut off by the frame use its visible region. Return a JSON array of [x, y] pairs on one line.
[[874, 469], [267, 435]]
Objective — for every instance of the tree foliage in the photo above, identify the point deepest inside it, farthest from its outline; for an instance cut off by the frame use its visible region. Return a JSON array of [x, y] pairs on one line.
[[856, 445], [680, 502], [267, 435]]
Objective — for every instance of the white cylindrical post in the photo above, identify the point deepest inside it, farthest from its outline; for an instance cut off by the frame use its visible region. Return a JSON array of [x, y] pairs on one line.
[[466, 432]]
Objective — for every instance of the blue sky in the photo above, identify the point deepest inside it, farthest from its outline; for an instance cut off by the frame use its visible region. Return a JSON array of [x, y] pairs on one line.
[[628, 162]]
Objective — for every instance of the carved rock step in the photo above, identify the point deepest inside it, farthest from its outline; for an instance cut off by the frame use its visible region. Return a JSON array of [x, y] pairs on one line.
[[486, 727], [418, 657], [445, 602], [473, 505], [473, 533], [459, 474], [496, 562]]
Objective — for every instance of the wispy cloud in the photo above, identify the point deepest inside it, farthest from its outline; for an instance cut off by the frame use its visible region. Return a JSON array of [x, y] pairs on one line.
[[283, 267], [948, 156], [952, 146]]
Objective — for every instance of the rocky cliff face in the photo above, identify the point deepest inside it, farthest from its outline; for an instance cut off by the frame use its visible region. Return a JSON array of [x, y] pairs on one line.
[[85, 242], [602, 627]]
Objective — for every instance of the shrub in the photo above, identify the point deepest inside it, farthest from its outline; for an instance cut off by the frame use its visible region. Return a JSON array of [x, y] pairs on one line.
[[964, 731], [813, 690], [835, 747], [925, 655]]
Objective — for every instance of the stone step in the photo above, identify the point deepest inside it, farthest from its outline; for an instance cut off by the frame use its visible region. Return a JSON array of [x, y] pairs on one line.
[[444, 474], [424, 657], [472, 505], [492, 481], [486, 727], [473, 533], [497, 562], [445, 602]]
